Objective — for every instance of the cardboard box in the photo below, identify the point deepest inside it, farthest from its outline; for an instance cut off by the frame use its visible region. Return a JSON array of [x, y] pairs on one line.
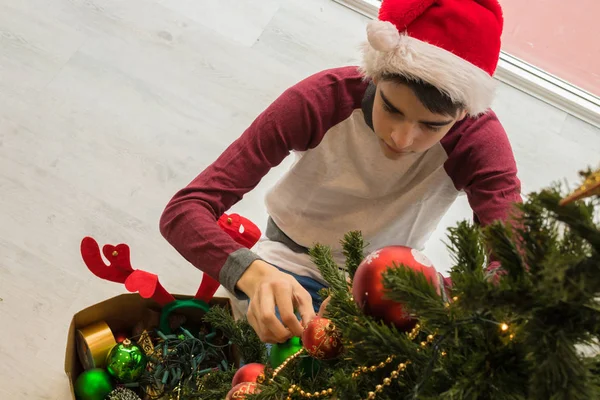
[[123, 313]]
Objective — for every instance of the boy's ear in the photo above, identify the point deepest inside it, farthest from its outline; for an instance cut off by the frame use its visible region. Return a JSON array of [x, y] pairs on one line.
[[462, 115]]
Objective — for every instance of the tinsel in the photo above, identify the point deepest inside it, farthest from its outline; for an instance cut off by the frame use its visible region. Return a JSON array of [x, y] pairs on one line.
[[122, 393]]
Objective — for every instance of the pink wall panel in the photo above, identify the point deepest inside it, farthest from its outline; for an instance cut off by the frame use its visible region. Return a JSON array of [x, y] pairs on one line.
[[561, 37]]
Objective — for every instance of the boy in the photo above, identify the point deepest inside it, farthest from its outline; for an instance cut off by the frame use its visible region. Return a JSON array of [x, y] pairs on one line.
[[384, 148]]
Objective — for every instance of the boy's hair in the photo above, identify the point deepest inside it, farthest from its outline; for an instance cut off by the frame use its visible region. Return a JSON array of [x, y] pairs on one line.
[[431, 97]]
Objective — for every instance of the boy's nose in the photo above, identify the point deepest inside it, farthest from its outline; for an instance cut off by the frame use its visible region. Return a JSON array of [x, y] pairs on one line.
[[403, 136]]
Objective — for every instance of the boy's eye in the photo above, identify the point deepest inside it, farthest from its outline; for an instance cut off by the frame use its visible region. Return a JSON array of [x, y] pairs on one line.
[[432, 128], [388, 108]]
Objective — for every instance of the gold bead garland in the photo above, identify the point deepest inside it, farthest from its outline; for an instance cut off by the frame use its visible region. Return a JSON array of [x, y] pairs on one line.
[[373, 368], [298, 389], [295, 389], [396, 373], [388, 381], [285, 363], [414, 332]]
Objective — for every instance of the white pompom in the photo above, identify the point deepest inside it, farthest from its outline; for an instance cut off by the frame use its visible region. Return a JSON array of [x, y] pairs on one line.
[[383, 36]]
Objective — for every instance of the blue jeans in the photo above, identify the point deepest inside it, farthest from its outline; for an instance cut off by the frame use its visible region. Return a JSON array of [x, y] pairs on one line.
[[311, 285]]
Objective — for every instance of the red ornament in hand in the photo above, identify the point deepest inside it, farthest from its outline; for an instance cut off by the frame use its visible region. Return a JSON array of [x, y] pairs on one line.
[[321, 340], [240, 391], [254, 372], [367, 287]]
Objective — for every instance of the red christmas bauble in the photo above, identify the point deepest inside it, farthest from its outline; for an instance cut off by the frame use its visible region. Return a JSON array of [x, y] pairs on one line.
[[120, 337], [254, 372], [240, 390], [321, 340], [367, 286]]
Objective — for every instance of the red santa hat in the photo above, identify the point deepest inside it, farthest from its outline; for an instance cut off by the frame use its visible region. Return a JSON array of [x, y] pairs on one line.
[[453, 45]]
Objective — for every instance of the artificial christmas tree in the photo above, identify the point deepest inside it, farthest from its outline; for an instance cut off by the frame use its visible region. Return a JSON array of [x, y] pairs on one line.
[[516, 336], [515, 333]]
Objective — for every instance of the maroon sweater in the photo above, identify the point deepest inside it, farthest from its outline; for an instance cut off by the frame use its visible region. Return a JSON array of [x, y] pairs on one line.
[[339, 182]]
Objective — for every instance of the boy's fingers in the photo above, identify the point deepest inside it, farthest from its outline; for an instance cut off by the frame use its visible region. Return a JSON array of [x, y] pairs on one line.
[[285, 303], [253, 321], [304, 303], [269, 321], [262, 331]]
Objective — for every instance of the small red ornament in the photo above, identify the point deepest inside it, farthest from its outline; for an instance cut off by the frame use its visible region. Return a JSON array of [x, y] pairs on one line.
[[321, 339], [120, 337], [368, 288], [254, 372], [240, 390]]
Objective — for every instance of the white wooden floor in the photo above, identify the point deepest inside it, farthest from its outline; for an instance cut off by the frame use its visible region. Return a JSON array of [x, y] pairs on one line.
[[108, 107]]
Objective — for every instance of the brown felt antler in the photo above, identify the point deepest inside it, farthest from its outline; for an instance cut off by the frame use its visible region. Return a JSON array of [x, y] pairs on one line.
[[119, 270]]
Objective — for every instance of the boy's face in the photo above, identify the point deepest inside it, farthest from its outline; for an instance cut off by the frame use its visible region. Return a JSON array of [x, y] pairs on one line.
[[403, 124]]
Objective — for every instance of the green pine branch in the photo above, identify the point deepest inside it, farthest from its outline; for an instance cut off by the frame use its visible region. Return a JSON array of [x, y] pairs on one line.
[[353, 247], [505, 248], [321, 256], [411, 288], [593, 366], [213, 386], [557, 371], [466, 249], [578, 216], [240, 333], [468, 275], [539, 235], [274, 390]]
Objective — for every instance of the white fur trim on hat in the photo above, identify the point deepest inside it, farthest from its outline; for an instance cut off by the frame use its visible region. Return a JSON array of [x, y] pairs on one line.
[[389, 52]]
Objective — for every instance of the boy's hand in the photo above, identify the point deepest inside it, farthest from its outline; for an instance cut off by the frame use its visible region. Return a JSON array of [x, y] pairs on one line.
[[267, 287]]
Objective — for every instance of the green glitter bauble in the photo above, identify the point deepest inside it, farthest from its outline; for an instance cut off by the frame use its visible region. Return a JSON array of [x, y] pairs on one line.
[[126, 362]]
